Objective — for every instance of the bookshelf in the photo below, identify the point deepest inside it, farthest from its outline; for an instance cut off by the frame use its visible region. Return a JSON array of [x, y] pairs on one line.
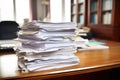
[[104, 18], [78, 12]]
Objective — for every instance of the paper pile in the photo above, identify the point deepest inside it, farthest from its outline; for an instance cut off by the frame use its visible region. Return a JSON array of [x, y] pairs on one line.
[[46, 45]]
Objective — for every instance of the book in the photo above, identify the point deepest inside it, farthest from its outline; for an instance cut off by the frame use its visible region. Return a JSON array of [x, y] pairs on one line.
[[81, 19], [93, 6], [107, 4], [107, 18], [94, 18], [80, 1], [81, 8]]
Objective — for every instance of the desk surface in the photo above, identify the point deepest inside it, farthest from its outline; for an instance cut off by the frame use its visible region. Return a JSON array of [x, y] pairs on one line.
[[90, 61]]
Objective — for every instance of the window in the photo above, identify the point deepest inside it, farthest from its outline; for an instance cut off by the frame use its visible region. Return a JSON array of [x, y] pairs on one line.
[[6, 10], [60, 10], [18, 10]]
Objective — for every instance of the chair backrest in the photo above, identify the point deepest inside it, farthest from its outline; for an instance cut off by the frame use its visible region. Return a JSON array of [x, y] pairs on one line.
[[8, 30]]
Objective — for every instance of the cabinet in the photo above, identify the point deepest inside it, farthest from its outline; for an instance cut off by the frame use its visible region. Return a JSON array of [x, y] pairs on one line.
[[104, 18], [79, 12], [100, 12]]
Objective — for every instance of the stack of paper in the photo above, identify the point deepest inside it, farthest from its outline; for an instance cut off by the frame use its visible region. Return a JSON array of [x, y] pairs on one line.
[[46, 46]]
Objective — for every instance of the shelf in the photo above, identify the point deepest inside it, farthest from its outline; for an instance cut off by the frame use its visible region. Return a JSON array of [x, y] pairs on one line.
[[93, 11], [78, 11], [81, 3], [106, 11]]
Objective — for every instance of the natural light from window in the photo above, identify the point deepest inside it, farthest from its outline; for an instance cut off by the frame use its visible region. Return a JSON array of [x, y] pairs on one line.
[[6, 10], [17, 10], [22, 10]]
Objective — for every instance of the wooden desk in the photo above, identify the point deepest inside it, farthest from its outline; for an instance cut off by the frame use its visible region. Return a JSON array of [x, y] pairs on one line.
[[90, 61]]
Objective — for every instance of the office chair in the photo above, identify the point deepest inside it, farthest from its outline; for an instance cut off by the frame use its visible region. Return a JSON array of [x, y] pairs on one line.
[[8, 30], [8, 34]]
